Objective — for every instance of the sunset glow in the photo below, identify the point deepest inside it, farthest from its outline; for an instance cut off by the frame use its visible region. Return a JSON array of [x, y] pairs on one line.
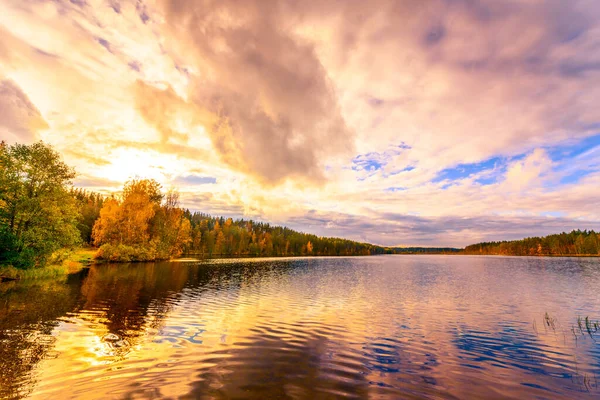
[[431, 123]]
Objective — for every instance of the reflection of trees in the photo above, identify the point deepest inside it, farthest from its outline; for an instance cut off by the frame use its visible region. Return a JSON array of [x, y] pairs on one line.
[[28, 314], [131, 299]]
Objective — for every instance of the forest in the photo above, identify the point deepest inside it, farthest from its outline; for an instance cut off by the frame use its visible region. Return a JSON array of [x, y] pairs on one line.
[[421, 250], [42, 214], [576, 242], [43, 217]]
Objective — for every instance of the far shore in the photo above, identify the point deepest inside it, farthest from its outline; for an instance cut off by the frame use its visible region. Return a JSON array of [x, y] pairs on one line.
[[83, 258]]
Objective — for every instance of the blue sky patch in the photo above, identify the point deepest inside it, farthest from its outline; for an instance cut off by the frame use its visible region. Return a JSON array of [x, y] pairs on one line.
[[570, 150], [196, 180], [488, 180], [575, 161], [374, 161], [368, 162], [574, 177], [394, 189], [572, 161], [463, 171], [553, 214]]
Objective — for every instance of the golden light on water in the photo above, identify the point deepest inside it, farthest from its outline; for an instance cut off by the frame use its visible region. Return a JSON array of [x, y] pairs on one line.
[[324, 325]]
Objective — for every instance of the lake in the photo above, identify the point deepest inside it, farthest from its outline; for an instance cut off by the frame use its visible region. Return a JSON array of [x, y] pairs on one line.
[[406, 326]]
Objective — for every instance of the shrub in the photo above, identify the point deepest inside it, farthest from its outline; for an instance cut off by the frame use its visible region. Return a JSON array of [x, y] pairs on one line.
[[125, 253]]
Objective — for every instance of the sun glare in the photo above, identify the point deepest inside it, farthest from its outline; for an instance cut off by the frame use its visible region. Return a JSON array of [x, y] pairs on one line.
[[130, 163]]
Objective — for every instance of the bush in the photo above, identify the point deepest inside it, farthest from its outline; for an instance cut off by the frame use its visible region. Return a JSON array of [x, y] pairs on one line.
[[125, 253], [60, 256]]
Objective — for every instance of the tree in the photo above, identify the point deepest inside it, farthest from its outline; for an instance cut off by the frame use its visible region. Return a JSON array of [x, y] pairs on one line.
[[171, 231], [141, 227], [38, 214], [106, 227], [219, 243], [576, 242], [89, 205], [309, 247]]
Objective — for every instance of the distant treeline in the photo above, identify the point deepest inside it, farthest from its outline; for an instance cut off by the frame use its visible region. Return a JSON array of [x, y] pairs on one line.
[[421, 250], [563, 244], [217, 236]]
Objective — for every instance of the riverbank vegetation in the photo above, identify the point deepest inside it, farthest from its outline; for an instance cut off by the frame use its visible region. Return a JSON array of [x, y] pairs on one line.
[[213, 236], [38, 214], [574, 243], [421, 250], [44, 220], [141, 225]]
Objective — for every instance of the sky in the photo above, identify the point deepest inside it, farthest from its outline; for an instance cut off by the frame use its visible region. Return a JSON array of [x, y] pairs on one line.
[[415, 122]]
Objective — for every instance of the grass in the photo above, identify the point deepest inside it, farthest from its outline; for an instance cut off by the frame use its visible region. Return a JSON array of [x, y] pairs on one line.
[[70, 262], [51, 271], [591, 327], [84, 256], [585, 327]]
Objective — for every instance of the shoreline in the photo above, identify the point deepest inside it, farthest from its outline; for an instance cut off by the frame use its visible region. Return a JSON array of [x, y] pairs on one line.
[[536, 255], [75, 262], [83, 258]]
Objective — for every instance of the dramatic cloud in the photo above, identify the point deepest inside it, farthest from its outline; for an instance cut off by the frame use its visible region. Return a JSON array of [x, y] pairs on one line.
[[20, 120], [278, 110], [434, 122]]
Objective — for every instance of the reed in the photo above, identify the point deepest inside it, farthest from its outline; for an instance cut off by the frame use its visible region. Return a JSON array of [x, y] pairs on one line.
[[66, 263]]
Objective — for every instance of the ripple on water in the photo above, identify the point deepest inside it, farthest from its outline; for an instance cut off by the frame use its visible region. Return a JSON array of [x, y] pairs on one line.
[[377, 327]]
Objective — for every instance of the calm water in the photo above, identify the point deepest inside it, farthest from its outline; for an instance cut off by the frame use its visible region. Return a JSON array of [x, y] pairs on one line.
[[371, 327]]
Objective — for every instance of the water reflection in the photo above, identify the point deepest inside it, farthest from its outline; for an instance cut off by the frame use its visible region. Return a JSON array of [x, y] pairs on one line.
[[29, 314], [422, 327]]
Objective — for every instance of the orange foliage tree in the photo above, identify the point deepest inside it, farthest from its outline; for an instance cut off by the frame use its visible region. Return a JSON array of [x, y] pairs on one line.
[[143, 225]]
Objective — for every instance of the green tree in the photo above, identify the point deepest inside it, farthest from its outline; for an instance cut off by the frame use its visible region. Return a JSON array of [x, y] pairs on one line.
[[38, 214]]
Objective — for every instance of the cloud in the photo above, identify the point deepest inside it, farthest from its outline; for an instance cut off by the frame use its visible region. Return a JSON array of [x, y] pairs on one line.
[[394, 229], [278, 109], [195, 180], [437, 115], [86, 156], [20, 120], [164, 109], [491, 84], [523, 174], [97, 184]]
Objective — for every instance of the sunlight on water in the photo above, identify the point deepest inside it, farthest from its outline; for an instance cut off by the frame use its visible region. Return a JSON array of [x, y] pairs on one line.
[[388, 326]]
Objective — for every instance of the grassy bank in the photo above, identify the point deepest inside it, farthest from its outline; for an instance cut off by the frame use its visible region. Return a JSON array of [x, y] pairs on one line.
[[70, 262]]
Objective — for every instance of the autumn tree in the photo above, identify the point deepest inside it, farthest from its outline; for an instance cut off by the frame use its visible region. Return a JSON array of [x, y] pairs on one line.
[[106, 227], [309, 247], [141, 227], [171, 231], [128, 221]]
